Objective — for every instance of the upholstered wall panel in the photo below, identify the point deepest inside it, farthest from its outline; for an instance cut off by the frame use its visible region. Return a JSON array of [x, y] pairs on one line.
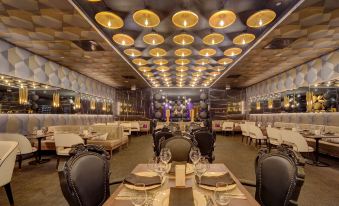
[[322, 69], [24, 123], [17, 62]]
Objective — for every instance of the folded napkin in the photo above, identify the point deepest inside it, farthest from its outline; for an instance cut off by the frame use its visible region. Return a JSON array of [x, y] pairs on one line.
[[181, 197], [213, 180], [133, 179], [173, 164]]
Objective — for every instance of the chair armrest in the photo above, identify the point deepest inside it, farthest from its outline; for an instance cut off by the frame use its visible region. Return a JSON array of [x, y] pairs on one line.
[[115, 182], [248, 183]]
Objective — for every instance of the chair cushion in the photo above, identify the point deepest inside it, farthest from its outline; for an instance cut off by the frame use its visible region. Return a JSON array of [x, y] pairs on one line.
[[108, 144], [102, 137], [63, 151]]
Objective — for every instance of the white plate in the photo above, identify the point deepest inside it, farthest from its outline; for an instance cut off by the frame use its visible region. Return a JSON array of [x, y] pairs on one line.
[[144, 174], [162, 198], [189, 168], [213, 174]]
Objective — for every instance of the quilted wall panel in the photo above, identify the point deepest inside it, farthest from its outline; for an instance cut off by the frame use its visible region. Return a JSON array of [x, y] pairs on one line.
[[20, 63]]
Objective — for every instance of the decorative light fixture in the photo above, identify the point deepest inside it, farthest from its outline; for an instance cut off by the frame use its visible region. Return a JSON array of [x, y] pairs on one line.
[[243, 39], [183, 39], [109, 20], [182, 61], [165, 74], [139, 61], [185, 19], [214, 74], [258, 105], [93, 0], [183, 52], [123, 39], [218, 68], [92, 104], [148, 74], [145, 69], [56, 99], [160, 61], [202, 61], [132, 52], [181, 74], [261, 18], [222, 19], [163, 68], [153, 39], [77, 101], [157, 52], [23, 95], [104, 106], [207, 52], [181, 68], [225, 61], [196, 74], [213, 39], [232, 52], [146, 18], [199, 68]]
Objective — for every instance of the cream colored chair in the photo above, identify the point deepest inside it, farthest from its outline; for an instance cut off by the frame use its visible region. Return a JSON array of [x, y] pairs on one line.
[[274, 136], [245, 132], [126, 127], [24, 145], [227, 127], [256, 134], [135, 127], [63, 144], [8, 151], [296, 140]]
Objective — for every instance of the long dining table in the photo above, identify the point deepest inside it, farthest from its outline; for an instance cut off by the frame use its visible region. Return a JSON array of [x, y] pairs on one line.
[[244, 198]]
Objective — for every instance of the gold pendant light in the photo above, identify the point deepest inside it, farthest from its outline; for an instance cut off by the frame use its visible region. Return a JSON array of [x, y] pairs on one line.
[[23, 95], [123, 39], [139, 61], [148, 74], [160, 61], [202, 61], [181, 74], [214, 74], [213, 39], [153, 39], [157, 52], [182, 61], [146, 18], [243, 39], [197, 74], [232, 52], [261, 18], [207, 52], [222, 19], [199, 68], [183, 52], [109, 20], [183, 39], [163, 68], [132, 52], [225, 61], [56, 99], [181, 68], [77, 101], [145, 69], [218, 68], [185, 19], [165, 74]]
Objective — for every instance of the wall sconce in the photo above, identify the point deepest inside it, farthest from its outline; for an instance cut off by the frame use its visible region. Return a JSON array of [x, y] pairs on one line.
[[104, 106], [258, 105], [23, 95], [77, 101], [286, 102], [92, 104], [270, 103], [56, 99]]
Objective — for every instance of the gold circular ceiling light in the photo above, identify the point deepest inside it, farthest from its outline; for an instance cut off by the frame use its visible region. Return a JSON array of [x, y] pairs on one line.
[[197, 74], [261, 18], [183, 52], [222, 19], [123, 39], [160, 61], [200, 68], [213, 39], [202, 61], [243, 39], [225, 61], [185, 19], [232, 52], [132, 52], [181, 74], [182, 61], [139, 61], [218, 68], [207, 52], [165, 74], [214, 74], [183, 39], [145, 69], [148, 74], [181, 68], [153, 39], [163, 68], [157, 52], [146, 18], [109, 20]]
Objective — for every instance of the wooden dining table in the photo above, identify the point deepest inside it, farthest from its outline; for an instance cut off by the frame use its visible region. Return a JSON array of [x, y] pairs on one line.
[[246, 199]]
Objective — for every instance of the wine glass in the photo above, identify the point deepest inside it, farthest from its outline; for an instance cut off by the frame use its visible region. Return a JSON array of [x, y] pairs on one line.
[[165, 155], [195, 155], [151, 165], [138, 196], [220, 195], [160, 169], [35, 129], [199, 169]]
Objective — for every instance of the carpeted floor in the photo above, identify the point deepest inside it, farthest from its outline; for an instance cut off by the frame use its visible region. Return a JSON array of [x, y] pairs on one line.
[[39, 185]]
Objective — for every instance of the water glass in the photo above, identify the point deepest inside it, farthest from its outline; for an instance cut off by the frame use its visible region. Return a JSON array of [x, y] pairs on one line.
[[195, 155], [220, 195], [152, 163], [161, 169], [200, 168], [165, 155], [138, 196]]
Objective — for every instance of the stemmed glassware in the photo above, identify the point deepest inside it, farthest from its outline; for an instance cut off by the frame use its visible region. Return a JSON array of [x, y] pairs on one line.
[[138, 196], [195, 155], [161, 169], [200, 168], [165, 155], [220, 195]]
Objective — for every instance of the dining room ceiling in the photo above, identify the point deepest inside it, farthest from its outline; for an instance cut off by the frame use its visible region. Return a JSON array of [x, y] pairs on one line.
[[183, 43], [313, 29], [55, 30]]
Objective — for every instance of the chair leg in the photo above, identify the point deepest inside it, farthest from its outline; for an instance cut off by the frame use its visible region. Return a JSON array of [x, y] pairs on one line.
[[242, 138], [9, 193], [20, 161], [58, 161]]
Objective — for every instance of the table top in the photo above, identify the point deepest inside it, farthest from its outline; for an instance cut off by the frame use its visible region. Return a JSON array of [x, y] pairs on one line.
[[190, 182], [35, 136], [321, 136]]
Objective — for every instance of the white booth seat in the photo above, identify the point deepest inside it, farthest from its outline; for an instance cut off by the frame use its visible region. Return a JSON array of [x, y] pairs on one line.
[[274, 136], [8, 151], [255, 133], [296, 140]]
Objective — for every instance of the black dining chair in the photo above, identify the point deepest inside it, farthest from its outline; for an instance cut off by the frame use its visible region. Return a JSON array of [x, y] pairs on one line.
[[179, 146], [160, 135], [84, 180], [205, 141], [279, 177]]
